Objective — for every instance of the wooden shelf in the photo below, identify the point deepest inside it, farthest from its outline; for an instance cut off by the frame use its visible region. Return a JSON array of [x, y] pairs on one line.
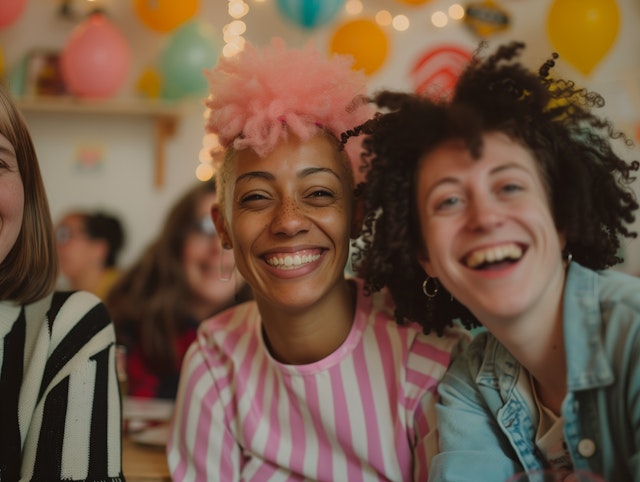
[[164, 114]]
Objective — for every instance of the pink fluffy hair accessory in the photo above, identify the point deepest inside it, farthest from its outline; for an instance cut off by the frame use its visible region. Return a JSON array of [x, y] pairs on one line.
[[259, 96]]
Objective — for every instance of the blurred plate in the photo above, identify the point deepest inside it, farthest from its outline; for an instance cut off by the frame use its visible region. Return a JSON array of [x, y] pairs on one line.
[[153, 436], [143, 409]]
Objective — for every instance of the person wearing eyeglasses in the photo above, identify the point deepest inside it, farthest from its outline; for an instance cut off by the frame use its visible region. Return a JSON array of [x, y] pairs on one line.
[[181, 278], [88, 245]]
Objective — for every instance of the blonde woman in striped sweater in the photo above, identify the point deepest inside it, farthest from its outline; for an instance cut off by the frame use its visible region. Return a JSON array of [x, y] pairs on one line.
[[59, 404], [313, 380]]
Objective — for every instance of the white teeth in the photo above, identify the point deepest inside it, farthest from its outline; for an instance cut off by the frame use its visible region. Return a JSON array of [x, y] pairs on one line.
[[292, 262], [493, 255]]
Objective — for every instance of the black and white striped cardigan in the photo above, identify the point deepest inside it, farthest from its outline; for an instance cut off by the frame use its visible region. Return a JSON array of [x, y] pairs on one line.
[[60, 413]]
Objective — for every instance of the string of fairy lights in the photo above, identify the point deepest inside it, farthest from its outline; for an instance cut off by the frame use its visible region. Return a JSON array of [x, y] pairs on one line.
[[233, 36]]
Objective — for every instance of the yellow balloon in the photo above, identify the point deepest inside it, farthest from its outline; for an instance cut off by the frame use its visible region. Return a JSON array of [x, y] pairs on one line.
[[165, 15], [365, 41], [149, 83], [583, 31]]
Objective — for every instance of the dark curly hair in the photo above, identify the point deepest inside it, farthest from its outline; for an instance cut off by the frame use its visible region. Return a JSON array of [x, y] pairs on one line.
[[587, 183]]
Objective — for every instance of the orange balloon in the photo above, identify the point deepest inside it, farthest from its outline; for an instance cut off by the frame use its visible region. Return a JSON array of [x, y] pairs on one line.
[[583, 31], [365, 41], [165, 15]]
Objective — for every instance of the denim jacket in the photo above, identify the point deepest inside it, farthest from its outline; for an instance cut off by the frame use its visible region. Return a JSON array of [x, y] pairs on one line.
[[487, 429]]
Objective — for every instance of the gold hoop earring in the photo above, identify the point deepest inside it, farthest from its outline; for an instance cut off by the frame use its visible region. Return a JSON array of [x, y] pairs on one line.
[[430, 291]]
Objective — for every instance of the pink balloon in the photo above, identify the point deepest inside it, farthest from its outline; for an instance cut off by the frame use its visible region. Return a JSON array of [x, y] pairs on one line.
[[10, 10], [95, 59]]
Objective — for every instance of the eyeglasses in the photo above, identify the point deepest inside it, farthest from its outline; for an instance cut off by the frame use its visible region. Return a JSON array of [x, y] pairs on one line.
[[205, 226], [64, 234]]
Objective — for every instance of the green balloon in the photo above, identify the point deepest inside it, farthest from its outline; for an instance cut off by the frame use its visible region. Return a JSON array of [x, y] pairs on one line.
[[17, 78], [191, 49]]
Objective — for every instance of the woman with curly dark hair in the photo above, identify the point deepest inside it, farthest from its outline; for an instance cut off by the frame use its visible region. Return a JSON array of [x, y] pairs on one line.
[[510, 197]]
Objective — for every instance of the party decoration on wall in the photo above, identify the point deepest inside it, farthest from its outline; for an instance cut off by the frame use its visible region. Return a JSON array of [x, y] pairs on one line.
[[193, 47], [96, 58], [310, 13], [436, 71], [486, 18], [583, 31], [10, 11], [165, 15], [364, 40], [89, 157], [149, 83]]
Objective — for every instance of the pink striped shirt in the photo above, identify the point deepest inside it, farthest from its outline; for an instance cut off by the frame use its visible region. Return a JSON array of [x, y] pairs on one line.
[[364, 413]]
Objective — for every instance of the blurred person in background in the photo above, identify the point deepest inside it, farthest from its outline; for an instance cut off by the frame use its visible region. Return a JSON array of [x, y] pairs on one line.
[[60, 413], [88, 247], [182, 278]]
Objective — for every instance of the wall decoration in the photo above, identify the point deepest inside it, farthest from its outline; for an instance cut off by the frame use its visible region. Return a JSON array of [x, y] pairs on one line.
[[486, 18], [95, 59], [165, 15], [583, 31], [310, 13], [364, 40], [191, 48], [436, 71], [89, 157]]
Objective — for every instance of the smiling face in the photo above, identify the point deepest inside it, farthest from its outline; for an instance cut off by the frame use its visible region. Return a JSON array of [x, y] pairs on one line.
[[202, 264], [489, 234], [11, 198], [288, 217]]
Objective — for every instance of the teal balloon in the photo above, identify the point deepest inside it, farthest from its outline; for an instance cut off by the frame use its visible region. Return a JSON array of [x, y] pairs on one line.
[[310, 13], [17, 78], [192, 48]]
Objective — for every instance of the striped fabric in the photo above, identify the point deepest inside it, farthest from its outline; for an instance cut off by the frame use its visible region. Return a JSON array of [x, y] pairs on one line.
[[365, 413], [59, 402]]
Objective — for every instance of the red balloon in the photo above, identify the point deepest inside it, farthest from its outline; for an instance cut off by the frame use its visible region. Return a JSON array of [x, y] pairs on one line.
[[96, 58], [10, 10]]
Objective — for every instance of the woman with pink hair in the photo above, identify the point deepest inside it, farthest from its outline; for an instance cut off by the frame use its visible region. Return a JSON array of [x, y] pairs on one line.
[[312, 380]]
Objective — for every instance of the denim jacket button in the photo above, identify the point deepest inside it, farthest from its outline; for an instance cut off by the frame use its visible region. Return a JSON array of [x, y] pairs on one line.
[[586, 447]]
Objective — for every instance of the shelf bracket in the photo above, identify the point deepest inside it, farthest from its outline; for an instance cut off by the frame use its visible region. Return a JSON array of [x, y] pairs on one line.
[[165, 128]]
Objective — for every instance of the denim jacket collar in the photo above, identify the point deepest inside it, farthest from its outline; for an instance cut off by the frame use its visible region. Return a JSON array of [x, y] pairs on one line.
[[587, 363]]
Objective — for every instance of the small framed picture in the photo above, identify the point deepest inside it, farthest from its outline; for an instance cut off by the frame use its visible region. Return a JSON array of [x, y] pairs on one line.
[[43, 74]]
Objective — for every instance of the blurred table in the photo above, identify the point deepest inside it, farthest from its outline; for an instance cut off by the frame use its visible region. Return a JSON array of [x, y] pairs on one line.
[[142, 463], [144, 441]]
